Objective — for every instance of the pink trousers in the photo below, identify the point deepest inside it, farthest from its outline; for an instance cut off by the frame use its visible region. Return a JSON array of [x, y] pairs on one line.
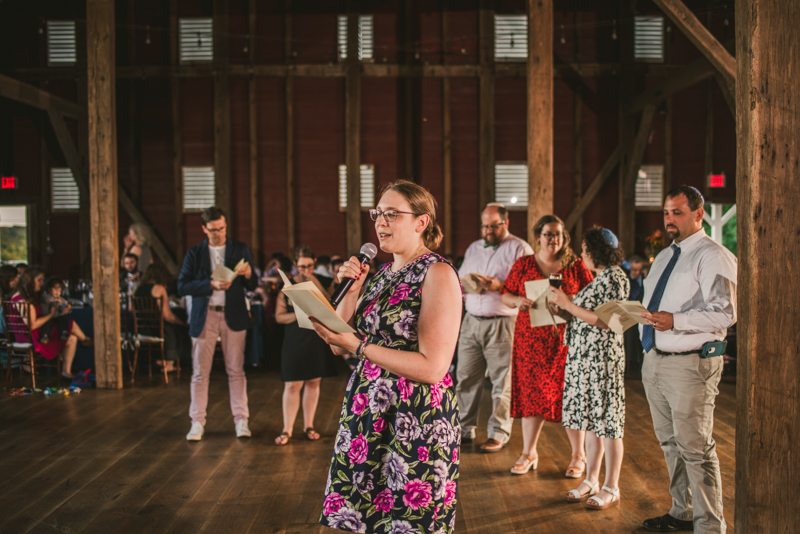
[[202, 357]]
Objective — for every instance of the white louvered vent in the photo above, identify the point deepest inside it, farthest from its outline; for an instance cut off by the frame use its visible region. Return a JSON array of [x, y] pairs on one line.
[[61, 48], [199, 188], [196, 40], [511, 184], [649, 39], [366, 41], [65, 193], [367, 173], [510, 37], [649, 186]]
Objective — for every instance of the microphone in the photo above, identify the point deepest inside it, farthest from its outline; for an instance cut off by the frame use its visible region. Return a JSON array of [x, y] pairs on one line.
[[368, 251]]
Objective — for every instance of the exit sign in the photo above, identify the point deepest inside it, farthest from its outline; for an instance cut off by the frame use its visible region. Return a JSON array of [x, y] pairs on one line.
[[8, 182], [716, 180]]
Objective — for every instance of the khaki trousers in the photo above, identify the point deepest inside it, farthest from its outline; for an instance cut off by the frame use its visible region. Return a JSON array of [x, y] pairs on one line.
[[481, 344], [681, 391], [202, 358]]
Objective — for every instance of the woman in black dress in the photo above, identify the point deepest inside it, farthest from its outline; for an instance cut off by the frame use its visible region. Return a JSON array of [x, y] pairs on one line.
[[305, 358]]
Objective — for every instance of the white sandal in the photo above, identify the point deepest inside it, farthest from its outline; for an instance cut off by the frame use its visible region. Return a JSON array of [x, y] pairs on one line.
[[603, 505], [576, 496]]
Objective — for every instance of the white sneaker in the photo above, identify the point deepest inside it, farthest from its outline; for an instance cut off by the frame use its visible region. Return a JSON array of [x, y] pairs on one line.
[[242, 430], [196, 433]]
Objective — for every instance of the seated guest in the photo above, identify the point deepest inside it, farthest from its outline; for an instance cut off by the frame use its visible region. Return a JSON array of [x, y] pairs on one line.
[[636, 276], [53, 304], [8, 278], [305, 357], [137, 242], [176, 332], [594, 384], [130, 269], [633, 345], [29, 290], [323, 267]]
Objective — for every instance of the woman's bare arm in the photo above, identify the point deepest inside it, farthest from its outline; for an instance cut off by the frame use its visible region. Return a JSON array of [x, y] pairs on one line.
[[282, 313]]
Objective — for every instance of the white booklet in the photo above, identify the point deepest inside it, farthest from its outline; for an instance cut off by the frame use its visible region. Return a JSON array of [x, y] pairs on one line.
[[620, 315], [471, 283], [537, 291], [308, 301], [224, 274]]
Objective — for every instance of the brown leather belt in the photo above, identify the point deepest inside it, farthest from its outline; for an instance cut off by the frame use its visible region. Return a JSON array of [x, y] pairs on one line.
[[216, 308]]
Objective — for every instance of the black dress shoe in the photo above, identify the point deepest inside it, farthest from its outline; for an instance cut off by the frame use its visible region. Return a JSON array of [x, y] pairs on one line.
[[667, 523]]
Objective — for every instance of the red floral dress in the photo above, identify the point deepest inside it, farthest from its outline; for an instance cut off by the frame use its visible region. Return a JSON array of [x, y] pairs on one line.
[[538, 357]]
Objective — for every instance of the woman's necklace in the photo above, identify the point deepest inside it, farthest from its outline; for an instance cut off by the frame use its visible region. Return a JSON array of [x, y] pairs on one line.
[[419, 252]]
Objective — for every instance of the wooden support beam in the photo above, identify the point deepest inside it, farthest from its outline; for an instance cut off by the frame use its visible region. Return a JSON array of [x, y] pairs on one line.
[[291, 233], [637, 151], [222, 112], [577, 159], [540, 111], [591, 192], [134, 118], [486, 105], [626, 211], [101, 106], [177, 136], [255, 234], [447, 150], [698, 34], [407, 91], [708, 164], [728, 93], [353, 130], [668, 147], [571, 74], [35, 97], [691, 74], [84, 221], [768, 163]]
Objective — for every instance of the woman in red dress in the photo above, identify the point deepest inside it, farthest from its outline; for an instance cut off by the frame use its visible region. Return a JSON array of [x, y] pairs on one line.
[[539, 356], [29, 290]]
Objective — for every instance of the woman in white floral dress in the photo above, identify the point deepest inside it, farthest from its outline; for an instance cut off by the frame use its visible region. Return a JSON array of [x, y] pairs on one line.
[[395, 462], [594, 385]]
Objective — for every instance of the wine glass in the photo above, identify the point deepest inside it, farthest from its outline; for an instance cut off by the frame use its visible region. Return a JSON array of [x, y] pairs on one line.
[[556, 279]]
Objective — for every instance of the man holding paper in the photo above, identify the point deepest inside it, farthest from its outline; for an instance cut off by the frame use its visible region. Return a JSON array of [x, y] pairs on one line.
[[487, 330], [219, 310]]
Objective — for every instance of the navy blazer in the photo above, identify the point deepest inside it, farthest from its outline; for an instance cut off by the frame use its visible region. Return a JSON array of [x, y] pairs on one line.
[[195, 280]]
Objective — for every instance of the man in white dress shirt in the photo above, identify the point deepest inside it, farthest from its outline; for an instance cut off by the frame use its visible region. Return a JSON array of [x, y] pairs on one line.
[[487, 330], [691, 295]]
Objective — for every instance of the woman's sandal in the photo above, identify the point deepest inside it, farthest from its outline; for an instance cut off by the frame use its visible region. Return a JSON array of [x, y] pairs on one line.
[[525, 464], [598, 504], [283, 439], [311, 434], [575, 495], [574, 472]]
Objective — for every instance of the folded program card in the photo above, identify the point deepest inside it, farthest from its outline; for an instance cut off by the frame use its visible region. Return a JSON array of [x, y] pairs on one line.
[[537, 291], [224, 274], [471, 283], [620, 315], [308, 301]]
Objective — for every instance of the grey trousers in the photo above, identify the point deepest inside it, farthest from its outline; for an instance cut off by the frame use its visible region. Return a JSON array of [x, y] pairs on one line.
[[681, 391], [482, 344]]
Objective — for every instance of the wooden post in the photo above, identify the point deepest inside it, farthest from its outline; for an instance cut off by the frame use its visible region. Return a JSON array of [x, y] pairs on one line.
[[102, 130], [577, 132], [409, 142], [134, 119], [668, 147], [447, 152], [626, 208], [768, 163], [486, 105], [222, 112], [540, 111], [84, 225], [289, 113], [353, 130], [255, 236], [177, 137], [708, 166]]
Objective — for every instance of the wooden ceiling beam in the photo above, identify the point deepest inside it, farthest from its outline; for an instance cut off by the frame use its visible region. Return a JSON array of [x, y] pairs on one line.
[[33, 96], [597, 184], [699, 35]]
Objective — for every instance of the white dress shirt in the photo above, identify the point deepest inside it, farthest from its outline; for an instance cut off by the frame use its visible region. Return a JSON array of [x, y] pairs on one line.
[[497, 263], [700, 293], [217, 257]]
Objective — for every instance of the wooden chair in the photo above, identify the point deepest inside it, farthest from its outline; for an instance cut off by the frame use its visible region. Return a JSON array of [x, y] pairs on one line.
[[147, 318], [22, 352]]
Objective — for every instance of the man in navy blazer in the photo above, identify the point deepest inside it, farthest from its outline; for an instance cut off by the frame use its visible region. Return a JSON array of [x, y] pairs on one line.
[[219, 310]]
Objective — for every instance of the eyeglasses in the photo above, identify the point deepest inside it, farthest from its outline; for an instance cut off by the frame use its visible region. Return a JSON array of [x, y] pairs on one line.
[[388, 215], [304, 267], [550, 236], [216, 230], [492, 227]]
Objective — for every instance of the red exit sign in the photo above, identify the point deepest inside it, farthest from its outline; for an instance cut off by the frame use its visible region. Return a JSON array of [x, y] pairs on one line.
[[716, 180], [8, 182]]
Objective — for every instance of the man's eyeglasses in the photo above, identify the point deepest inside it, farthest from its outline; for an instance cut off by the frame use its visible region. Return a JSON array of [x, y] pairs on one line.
[[492, 227], [388, 215], [216, 230], [304, 267], [550, 236]]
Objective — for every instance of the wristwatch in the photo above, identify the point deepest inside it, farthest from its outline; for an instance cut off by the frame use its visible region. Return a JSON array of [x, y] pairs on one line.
[[361, 351]]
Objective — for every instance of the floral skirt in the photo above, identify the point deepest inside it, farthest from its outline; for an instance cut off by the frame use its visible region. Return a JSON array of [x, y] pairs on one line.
[[395, 461]]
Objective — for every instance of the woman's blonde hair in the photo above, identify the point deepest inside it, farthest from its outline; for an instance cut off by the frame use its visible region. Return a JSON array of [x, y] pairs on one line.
[[142, 233], [565, 254], [422, 203]]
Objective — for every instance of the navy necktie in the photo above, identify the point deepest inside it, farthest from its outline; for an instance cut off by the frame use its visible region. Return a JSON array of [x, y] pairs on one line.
[[648, 332]]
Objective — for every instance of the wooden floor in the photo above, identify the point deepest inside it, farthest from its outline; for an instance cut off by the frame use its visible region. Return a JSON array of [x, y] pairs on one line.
[[117, 462]]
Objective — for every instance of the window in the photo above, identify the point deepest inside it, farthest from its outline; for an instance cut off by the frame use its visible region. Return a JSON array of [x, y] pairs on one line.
[[648, 39], [649, 187], [13, 234], [196, 40], [511, 184], [511, 38], [367, 173], [366, 44], [719, 222], [65, 193], [61, 48], [199, 188]]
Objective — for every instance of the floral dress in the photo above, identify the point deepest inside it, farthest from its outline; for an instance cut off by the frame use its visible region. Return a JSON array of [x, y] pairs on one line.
[[594, 382], [395, 461]]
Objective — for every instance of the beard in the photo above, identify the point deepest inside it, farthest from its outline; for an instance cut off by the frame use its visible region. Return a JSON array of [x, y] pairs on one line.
[[491, 240], [673, 232]]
